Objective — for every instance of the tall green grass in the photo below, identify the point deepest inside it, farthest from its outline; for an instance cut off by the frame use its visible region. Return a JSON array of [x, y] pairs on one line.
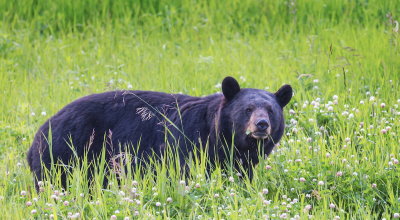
[[53, 52]]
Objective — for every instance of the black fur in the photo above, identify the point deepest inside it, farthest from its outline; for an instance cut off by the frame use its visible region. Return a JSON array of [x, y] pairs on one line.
[[125, 116], [230, 87]]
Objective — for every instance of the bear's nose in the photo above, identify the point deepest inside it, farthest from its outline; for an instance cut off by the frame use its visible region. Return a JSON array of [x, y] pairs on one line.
[[262, 124]]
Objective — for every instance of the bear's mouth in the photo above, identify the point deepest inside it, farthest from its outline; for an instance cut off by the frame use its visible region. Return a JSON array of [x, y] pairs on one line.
[[260, 135]]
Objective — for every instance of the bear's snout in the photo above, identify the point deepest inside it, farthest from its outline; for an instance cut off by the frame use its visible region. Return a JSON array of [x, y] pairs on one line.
[[259, 124], [262, 124]]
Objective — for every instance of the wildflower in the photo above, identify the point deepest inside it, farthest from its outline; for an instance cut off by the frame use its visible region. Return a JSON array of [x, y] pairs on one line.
[[396, 215], [35, 200], [373, 185], [265, 191], [335, 97], [113, 217], [33, 211], [29, 203], [231, 179], [371, 99], [182, 182], [136, 213], [383, 131], [339, 173], [23, 193], [218, 85], [126, 218], [216, 195], [355, 174], [321, 183], [332, 205], [330, 108], [395, 161], [66, 203], [383, 105], [134, 183], [43, 114], [51, 216], [328, 155], [291, 111], [390, 163], [347, 139], [362, 102], [197, 185], [33, 114], [158, 204], [169, 199]]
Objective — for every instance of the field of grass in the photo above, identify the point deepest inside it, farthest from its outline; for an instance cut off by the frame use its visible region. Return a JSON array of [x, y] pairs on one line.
[[338, 158]]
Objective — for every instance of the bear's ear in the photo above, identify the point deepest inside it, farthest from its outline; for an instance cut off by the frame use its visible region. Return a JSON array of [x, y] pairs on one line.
[[283, 95], [230, 87]]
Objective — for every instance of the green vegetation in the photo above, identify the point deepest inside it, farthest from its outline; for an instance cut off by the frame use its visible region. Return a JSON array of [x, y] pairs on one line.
[[53, 52]]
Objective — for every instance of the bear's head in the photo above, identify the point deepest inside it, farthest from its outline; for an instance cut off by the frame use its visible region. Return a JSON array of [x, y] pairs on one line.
[[254, 115]]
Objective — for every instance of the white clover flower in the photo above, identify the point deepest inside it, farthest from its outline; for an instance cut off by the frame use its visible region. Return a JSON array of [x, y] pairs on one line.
[[372, 98]]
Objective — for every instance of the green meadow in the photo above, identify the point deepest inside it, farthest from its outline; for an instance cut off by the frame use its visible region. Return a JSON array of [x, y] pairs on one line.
[[338, 159]]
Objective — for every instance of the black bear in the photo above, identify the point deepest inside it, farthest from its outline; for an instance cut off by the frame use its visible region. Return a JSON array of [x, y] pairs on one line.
[[250, 117]]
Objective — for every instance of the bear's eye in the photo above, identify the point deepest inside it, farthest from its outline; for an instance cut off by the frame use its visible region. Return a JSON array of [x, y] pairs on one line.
[[248, 110], [270, 111]]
